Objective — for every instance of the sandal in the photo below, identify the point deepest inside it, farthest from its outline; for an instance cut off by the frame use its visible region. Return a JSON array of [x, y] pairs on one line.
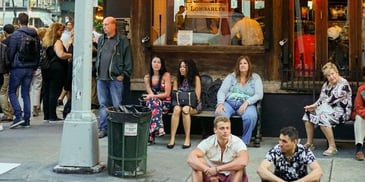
[[309, 146], [161, 132], [330, 152]]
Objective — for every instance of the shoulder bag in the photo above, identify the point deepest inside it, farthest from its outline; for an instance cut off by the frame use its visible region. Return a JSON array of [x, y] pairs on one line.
[[184, 98]]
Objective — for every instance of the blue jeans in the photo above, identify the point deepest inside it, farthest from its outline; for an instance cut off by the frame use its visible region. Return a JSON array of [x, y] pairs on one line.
[[249, 117], [110, 93], [20, 77]]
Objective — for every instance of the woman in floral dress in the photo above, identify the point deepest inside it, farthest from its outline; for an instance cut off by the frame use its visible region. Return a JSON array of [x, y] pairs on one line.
[[332, 108], [158, 87]]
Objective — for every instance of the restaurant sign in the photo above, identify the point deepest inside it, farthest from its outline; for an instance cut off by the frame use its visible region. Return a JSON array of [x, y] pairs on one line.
[[206, 10]]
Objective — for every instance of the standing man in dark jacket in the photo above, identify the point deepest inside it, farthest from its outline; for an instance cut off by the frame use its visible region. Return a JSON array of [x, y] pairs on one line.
[[21, 72], [113, 65]]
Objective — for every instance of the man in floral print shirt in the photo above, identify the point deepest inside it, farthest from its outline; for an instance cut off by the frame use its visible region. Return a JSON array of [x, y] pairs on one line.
[[290, 160]]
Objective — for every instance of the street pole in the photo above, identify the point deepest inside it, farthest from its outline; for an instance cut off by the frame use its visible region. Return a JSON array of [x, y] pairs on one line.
[[79, 151], [4, 12]]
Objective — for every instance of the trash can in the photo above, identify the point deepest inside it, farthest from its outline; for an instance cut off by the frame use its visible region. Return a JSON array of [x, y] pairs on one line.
[[127, 140]]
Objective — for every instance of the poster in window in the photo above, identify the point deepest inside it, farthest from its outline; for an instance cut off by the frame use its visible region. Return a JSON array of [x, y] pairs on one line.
[[185, 37]]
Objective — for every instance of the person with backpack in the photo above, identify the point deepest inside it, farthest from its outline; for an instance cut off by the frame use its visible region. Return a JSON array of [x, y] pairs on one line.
[[24, 54]]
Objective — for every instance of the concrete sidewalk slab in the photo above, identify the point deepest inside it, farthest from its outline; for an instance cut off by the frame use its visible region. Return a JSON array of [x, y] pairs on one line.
[[37, 149]]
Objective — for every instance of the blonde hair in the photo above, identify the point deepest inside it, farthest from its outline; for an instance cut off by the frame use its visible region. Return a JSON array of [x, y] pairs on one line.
[[41, 32], [51, 35], [327, 67], [221, 119]]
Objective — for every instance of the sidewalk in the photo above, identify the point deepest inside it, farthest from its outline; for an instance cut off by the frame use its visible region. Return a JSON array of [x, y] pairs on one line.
[[37, 150]]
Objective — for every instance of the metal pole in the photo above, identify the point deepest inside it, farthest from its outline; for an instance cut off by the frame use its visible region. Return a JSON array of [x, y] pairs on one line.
[[4, 12], [80, 146]]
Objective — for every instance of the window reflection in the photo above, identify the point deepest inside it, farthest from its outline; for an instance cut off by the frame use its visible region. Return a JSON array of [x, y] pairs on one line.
[[304, 38], [337, 33], [207, 22]]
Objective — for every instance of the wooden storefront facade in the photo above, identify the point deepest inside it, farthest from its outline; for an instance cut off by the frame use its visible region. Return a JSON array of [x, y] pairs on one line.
[[275, 62]]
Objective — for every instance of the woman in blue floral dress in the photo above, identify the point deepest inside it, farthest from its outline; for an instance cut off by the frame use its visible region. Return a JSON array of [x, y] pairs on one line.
[[158, 87]]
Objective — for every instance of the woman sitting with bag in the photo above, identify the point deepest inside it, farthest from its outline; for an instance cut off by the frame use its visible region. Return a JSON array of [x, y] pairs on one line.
[[238, 95], [158, 87], [188, 80]]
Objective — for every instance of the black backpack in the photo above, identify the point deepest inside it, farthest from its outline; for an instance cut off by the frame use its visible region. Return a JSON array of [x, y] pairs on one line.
[[47, 57], [28, 50], [44, 61]]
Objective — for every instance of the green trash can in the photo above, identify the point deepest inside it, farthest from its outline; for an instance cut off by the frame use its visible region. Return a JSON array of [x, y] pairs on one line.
[[127, 140]]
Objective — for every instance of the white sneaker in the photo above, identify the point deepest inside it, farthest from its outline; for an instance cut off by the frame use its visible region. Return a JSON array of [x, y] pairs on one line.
[[1, 127]]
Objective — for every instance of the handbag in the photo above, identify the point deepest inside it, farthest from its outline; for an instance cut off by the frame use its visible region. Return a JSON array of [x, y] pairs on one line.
[[184, 99]]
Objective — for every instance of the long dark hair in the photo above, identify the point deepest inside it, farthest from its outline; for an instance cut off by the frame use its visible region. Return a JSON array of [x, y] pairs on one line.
[[160, 72], [191, 72]]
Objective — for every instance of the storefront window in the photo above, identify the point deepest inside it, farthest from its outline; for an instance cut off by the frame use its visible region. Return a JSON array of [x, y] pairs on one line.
[[338, 35], [208, 22], [304, 38]]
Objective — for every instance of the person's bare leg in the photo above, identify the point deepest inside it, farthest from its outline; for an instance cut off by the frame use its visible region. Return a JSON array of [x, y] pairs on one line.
[[309, 129], [197, 176], [174, 124], [328, 133], [237, 175], [62, 95], [187, 123]]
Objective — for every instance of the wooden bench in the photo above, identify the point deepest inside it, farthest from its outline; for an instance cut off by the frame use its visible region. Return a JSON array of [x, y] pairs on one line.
[[209, 90], [256, 133]]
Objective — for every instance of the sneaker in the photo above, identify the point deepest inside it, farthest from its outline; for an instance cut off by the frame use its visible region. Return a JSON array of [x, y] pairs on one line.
[[1, 127], [359, 156], [16, 123], [25, 125], [102, 134]]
